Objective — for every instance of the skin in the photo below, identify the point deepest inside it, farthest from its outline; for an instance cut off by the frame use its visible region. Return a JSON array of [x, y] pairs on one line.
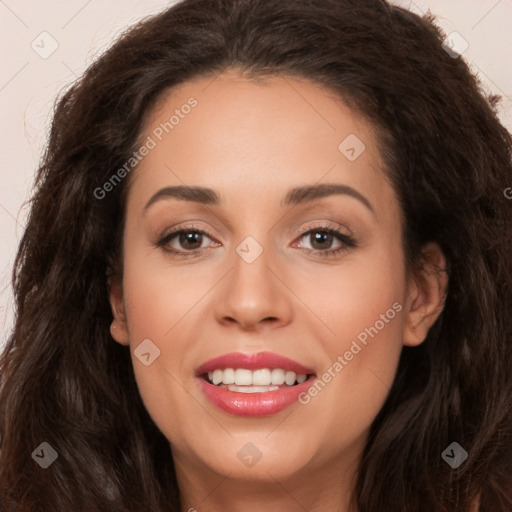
[[251, 141]]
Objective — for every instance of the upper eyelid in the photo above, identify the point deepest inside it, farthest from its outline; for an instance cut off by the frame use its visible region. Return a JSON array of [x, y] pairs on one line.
[[325, 225]]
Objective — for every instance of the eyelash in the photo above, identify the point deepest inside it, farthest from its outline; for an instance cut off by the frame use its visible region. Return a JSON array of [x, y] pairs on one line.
[[346, 241]]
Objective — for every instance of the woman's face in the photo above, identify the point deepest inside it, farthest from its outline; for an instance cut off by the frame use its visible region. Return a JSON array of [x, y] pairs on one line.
[[295, 251]]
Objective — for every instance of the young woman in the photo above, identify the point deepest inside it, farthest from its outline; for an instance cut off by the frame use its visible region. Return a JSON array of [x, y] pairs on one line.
[[266, 268]]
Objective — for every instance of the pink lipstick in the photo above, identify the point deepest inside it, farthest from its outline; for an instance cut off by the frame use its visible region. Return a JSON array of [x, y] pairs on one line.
[[257, 384]]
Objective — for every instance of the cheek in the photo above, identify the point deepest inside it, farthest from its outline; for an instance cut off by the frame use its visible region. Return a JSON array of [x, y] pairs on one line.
[[160, 302], [159, 296], [363, 307], [355, 296]]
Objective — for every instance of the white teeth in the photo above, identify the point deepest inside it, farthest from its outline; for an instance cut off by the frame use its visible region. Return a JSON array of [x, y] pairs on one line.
[[229, 376], [218, 375], [289, 378], [257, 378], [261, 377], [251, 389], [301, 378], [278, 376], [242, 377]]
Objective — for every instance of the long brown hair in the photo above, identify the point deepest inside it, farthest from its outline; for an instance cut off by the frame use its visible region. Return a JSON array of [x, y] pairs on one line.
[[65, 381]]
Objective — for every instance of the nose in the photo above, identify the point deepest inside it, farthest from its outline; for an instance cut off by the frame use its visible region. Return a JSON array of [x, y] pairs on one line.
[[254, 295]]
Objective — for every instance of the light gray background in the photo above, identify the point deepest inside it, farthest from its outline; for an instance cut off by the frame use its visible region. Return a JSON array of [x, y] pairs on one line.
[[83, 29]]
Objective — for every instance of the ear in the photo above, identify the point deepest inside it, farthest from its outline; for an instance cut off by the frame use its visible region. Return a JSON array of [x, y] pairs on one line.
[[426, 293], [119, 326]]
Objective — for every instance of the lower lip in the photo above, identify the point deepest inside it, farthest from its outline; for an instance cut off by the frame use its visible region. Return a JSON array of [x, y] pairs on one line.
[[253, 404]]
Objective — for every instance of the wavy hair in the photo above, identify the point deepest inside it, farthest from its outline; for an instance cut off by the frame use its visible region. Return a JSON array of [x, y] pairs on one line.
[[66, 382]]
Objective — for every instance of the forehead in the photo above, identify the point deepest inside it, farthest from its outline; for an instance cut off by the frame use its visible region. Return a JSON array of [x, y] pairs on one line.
[[246, 137]]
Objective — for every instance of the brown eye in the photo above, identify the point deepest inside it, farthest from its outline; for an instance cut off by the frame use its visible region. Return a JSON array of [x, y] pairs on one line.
[[185, 241], [326, 241], [321, 240], [190, 239]]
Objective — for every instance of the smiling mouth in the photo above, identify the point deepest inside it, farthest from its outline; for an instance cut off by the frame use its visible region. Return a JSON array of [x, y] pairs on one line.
[[261, 380]]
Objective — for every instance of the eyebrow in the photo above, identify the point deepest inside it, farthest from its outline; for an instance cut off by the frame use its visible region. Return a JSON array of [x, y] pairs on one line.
[[297, 195]]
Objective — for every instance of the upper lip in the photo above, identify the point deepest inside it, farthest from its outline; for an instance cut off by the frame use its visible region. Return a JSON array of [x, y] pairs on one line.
[[253, 362]]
